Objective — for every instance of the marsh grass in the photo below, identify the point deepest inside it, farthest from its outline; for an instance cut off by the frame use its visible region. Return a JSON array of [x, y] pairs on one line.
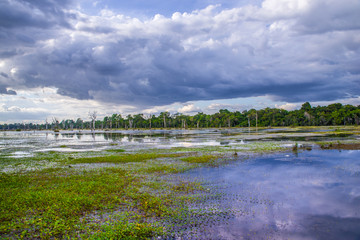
[[115, 150], [125, 202], [265, 147], [50, 202], [124, 158], [113, 194], [53, 203], [200, 159], [340, 145]]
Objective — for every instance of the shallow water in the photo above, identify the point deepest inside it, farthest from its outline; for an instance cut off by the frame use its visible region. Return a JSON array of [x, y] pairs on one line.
[[310, 195], [27, 142]]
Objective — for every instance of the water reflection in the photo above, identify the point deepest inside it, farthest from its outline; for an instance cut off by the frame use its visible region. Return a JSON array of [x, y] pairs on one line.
[[95, 141], [163, 138], [315, 195]]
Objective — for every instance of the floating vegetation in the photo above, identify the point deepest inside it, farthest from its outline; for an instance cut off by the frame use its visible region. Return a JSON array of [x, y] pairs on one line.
[[340, 146]]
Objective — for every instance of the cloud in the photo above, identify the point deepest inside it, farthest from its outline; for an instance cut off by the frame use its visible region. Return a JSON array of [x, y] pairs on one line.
[[330, 15], [214, 107], [293, 51], [4, 90], [189, 109], [288, 106], [39, 14], [41, 103]]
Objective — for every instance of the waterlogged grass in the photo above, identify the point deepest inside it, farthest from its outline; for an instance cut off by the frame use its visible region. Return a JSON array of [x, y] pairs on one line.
[[124, 202], [59, 203], [121, 228], [266, 147], [36, 161], [340, 145], [200, 159], [200, 149], [125, 158], [115, 194], [116, 150], [49, 203]]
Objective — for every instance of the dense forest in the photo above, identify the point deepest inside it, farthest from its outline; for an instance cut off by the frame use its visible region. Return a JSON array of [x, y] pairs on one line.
[[334, 114]]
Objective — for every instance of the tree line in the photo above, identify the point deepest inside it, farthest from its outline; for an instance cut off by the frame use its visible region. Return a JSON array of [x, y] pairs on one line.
[[333, 114]]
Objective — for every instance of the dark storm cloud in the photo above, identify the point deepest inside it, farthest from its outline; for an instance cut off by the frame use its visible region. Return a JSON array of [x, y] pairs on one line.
[[205, 55], [3, 90], [4, 75], [23, 23], [30, 13], [331, 15], [8, 53]]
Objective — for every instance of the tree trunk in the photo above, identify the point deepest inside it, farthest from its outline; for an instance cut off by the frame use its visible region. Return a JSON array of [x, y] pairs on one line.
[[256, 120]]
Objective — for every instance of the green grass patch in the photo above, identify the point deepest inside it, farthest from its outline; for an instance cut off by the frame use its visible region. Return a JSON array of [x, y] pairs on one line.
[[200, 159], [115, 150], [264, 147], [109, 203], [129, 201], [121, 228], [125, 158], [48, 203]]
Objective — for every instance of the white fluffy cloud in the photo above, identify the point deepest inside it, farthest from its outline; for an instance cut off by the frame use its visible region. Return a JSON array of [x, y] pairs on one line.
[[189, 109], [292, 50], [46, 103], [288, 106]]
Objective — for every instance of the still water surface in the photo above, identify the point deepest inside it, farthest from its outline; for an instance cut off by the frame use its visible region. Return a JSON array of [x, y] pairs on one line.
[[25, 143], [310, 195]]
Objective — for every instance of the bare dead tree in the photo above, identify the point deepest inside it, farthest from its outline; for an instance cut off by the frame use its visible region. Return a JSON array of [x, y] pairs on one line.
[[256, 121], [148, 117], [309, 117], [92, 116], [56, 123]]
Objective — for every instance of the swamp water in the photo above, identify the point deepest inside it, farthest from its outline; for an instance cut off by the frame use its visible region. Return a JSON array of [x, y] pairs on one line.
[[305, 195], [25, 143], [309, 195]]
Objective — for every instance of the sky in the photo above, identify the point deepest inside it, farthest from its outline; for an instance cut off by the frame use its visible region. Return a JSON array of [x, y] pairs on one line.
[[67, 58]]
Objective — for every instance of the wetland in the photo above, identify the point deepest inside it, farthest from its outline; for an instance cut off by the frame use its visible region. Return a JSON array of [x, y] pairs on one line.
[[230, 183]]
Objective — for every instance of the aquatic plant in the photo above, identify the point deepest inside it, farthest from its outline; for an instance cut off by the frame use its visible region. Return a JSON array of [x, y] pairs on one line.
[[295, 147]]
